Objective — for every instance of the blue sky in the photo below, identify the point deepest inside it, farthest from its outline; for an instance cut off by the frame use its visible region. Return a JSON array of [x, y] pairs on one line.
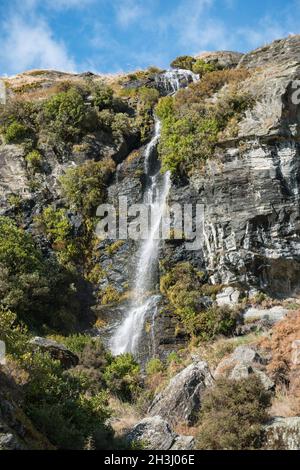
[[121, 35]]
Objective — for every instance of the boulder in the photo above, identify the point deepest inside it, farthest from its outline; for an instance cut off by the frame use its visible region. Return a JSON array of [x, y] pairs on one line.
[[243, 371], [57, 351], [228, 297], [283, 434], [273, 315], [180, 401], [243, 362], [154, 433], [184, 443]]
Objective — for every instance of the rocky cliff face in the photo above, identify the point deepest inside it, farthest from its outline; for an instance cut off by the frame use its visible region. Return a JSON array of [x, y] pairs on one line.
[[250, 189]]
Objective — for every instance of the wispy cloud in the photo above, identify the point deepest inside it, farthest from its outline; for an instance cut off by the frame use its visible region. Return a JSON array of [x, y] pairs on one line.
[[32, 45], [129, 11]]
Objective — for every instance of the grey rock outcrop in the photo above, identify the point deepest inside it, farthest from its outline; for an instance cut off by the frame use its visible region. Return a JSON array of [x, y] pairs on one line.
[[273, 314], [241, 364], [228, 297], [243, 371], [56, 350], [250, 189], [223, 59], [283, 434], [154, 433], [180, 401]]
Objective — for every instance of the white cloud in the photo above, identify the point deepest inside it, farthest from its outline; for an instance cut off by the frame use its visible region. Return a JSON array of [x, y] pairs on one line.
[[32, 45], [128, 12]]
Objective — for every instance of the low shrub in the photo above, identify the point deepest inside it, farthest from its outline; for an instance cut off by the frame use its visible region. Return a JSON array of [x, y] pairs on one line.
[[122, 377], [233, 414], [85, 186], [154, 366]]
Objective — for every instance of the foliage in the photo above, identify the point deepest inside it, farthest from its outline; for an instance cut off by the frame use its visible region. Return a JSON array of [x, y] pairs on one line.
[[154, 366], [85, 185], [64, 114], [55, 224], [59, 407], [34, 160], [12, 333], [192, 124], [37, 289], [182, 285], [109, 295], [16, 133], [201, 67], [232, 415], [122, 377], [183, 62], [103, 96]]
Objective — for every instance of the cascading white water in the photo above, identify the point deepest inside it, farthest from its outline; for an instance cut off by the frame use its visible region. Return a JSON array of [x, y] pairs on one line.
[[127, 336]]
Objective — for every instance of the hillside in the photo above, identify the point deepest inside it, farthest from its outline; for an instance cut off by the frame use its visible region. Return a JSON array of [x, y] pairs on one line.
[[213, 356]]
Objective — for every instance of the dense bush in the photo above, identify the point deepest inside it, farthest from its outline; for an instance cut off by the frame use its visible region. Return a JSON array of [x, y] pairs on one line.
[[58, 405], [183, 286], [200, 67], [16, 133], [55, 224], [122, 377], [183, 62], [37, 289], [154, 366], [63, 405], [103, 97], [85, 185], [232, 415], [34, 160]]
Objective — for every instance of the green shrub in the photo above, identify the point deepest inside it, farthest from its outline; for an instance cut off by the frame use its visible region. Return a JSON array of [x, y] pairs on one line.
[[64, 115], [183, 62], [55, 224], [154, 366], [85, 185], [182, 286], [37, 289], [103, 96], [12, 333], [122, 377], [121, 124], [16, 133], [34, 160], [201, 68], [233, 414], [59, 407]]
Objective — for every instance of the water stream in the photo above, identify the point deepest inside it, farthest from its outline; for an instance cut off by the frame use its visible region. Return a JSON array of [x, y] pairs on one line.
[[127, 336]]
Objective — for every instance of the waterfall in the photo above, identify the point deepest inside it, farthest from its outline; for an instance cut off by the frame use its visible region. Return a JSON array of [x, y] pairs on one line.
[[127, 336]]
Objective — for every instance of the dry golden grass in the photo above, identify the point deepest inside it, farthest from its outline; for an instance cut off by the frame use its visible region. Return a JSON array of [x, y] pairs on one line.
[[124, 416]]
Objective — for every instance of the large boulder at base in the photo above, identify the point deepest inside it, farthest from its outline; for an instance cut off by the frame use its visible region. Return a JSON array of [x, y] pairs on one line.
[[183, 443], [154, 433], [283, 434], [56, 350], [180, 401]]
